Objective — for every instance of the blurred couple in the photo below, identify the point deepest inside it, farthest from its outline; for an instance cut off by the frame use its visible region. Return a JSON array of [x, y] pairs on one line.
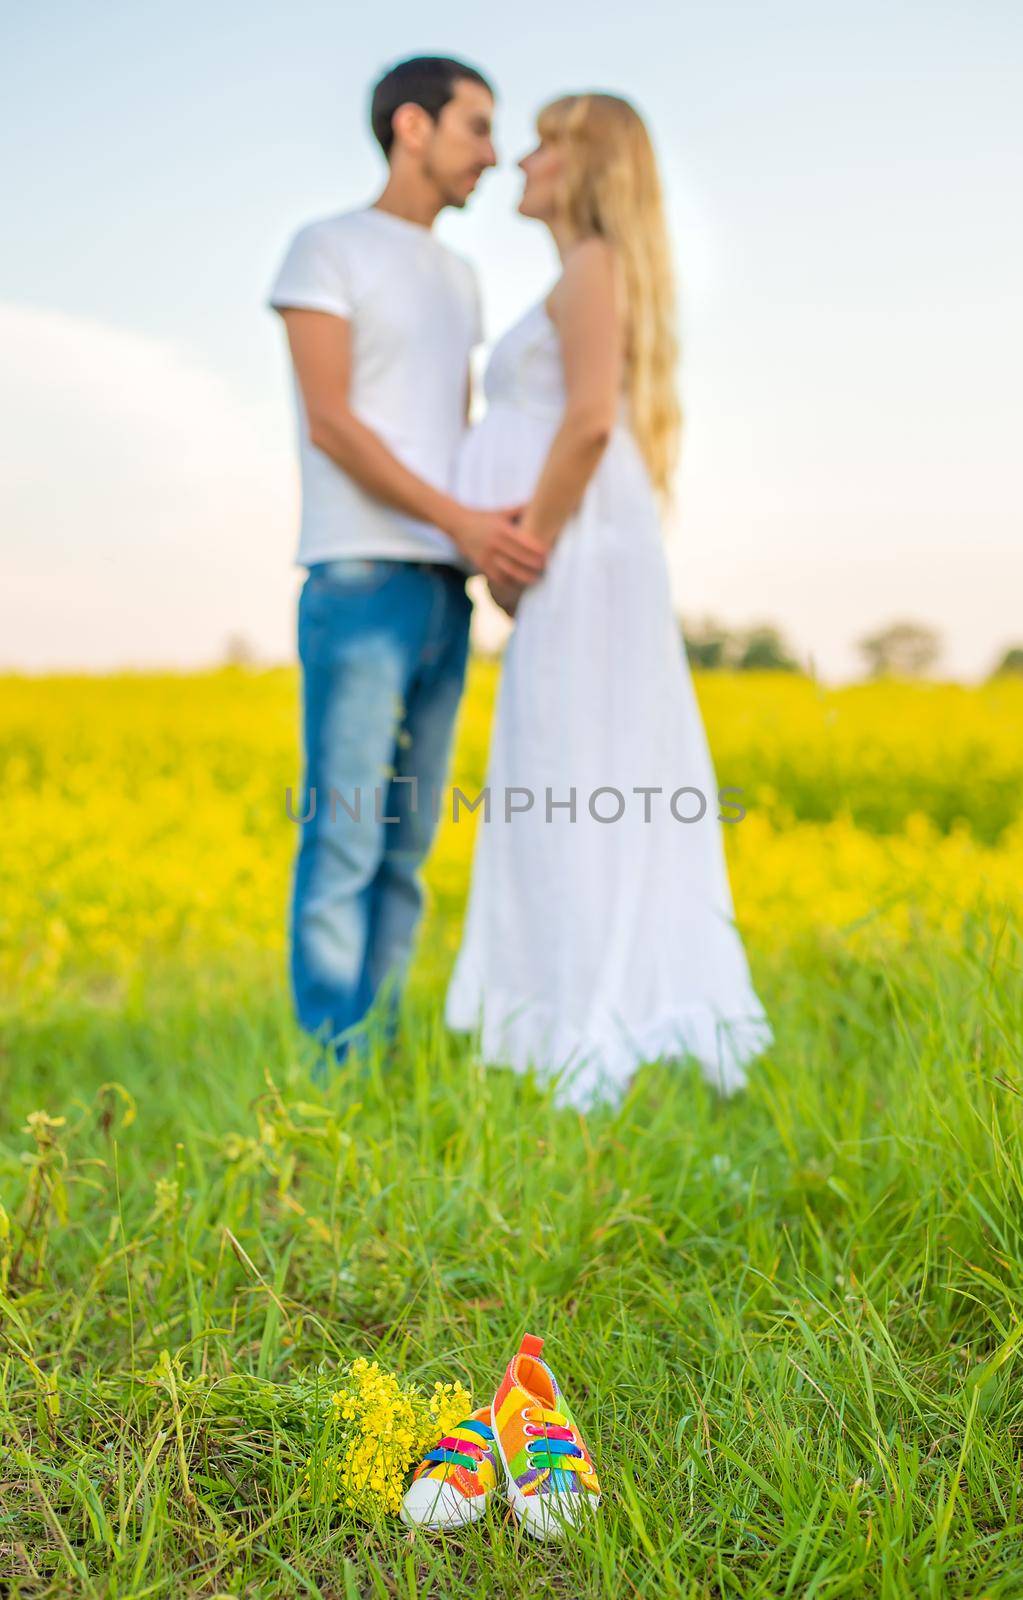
[[599, 932]]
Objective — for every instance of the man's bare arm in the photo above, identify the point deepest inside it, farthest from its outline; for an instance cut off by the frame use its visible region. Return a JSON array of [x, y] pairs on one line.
[[320, 346]]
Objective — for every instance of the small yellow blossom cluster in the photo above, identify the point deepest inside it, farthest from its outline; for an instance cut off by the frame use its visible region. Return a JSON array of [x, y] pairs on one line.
[[43, 1127], [384, 1429]]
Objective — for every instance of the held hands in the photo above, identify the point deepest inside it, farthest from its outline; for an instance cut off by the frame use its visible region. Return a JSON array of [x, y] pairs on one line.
[[497, 546], [507, 596]]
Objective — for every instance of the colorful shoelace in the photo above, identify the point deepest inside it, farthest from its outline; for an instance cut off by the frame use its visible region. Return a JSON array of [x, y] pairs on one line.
[[553, 1446], [462, 1447]]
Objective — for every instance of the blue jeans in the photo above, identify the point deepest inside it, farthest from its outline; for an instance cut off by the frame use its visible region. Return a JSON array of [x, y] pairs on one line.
[[383, 647]]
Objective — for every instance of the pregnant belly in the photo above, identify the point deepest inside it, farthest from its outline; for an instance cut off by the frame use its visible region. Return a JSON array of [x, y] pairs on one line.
[[501, 457]]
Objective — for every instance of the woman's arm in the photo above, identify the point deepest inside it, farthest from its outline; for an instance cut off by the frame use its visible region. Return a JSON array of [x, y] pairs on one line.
[[586, 308]]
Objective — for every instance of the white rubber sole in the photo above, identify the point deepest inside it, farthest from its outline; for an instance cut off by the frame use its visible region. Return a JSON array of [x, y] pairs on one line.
[[537, 1513], [456, 1511]]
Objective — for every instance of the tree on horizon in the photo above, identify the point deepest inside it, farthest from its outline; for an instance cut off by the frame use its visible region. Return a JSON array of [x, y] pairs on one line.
[[901, 649], [713, 647]]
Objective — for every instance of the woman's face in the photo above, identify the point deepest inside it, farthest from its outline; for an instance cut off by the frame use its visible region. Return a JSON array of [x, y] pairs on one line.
[[544, 168]]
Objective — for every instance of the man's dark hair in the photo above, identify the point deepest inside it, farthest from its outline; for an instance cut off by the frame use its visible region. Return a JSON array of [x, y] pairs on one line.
[[427, 81]]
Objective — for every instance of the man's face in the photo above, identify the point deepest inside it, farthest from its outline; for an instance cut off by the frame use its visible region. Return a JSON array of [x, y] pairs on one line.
[[460, 146]]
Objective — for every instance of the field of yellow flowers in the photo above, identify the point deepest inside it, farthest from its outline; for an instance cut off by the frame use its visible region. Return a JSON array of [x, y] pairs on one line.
[[235, 1299], [145, 821]]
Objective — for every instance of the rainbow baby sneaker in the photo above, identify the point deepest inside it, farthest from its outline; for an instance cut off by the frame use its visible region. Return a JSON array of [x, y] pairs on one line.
[[550, 1478], [454, 1480]]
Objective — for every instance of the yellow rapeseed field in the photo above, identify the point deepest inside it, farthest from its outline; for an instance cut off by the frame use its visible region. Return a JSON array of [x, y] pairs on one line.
[[146, 829]]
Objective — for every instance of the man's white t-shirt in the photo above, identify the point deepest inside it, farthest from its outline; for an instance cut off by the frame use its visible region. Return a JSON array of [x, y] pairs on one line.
[[414, 309]]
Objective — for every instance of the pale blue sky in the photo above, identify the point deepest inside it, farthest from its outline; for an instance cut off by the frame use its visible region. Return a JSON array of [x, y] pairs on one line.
[[843, 183]]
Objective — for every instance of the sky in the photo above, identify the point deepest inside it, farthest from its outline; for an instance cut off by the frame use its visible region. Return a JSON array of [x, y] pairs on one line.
[[843, 184]]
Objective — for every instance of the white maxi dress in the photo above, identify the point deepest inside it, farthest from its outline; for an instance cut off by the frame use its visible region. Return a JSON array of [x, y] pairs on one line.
[[603, 937]]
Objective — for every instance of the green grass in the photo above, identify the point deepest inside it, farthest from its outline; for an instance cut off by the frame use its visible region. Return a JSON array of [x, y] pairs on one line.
[[791, 1324]]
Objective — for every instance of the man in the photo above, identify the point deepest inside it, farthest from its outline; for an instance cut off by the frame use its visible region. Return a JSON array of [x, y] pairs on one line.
[[381, 318]]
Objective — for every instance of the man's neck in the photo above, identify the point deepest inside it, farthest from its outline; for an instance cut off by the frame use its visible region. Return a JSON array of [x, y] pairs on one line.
[[411, 197]]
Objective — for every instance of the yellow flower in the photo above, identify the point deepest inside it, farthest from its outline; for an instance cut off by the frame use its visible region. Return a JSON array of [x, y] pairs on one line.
[[384, 1427], [42, 1126]]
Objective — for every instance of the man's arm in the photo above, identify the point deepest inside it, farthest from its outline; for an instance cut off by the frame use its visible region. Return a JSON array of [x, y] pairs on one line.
[[320, 346]]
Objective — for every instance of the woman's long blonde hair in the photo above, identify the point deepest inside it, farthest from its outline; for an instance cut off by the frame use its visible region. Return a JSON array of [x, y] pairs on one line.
[[614, 191]]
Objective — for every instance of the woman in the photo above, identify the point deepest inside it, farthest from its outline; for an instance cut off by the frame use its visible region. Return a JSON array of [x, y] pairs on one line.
[[599, 931]]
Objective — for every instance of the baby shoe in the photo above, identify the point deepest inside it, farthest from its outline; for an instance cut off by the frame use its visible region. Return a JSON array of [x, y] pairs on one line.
[[454, 1480], [551, 1482]]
